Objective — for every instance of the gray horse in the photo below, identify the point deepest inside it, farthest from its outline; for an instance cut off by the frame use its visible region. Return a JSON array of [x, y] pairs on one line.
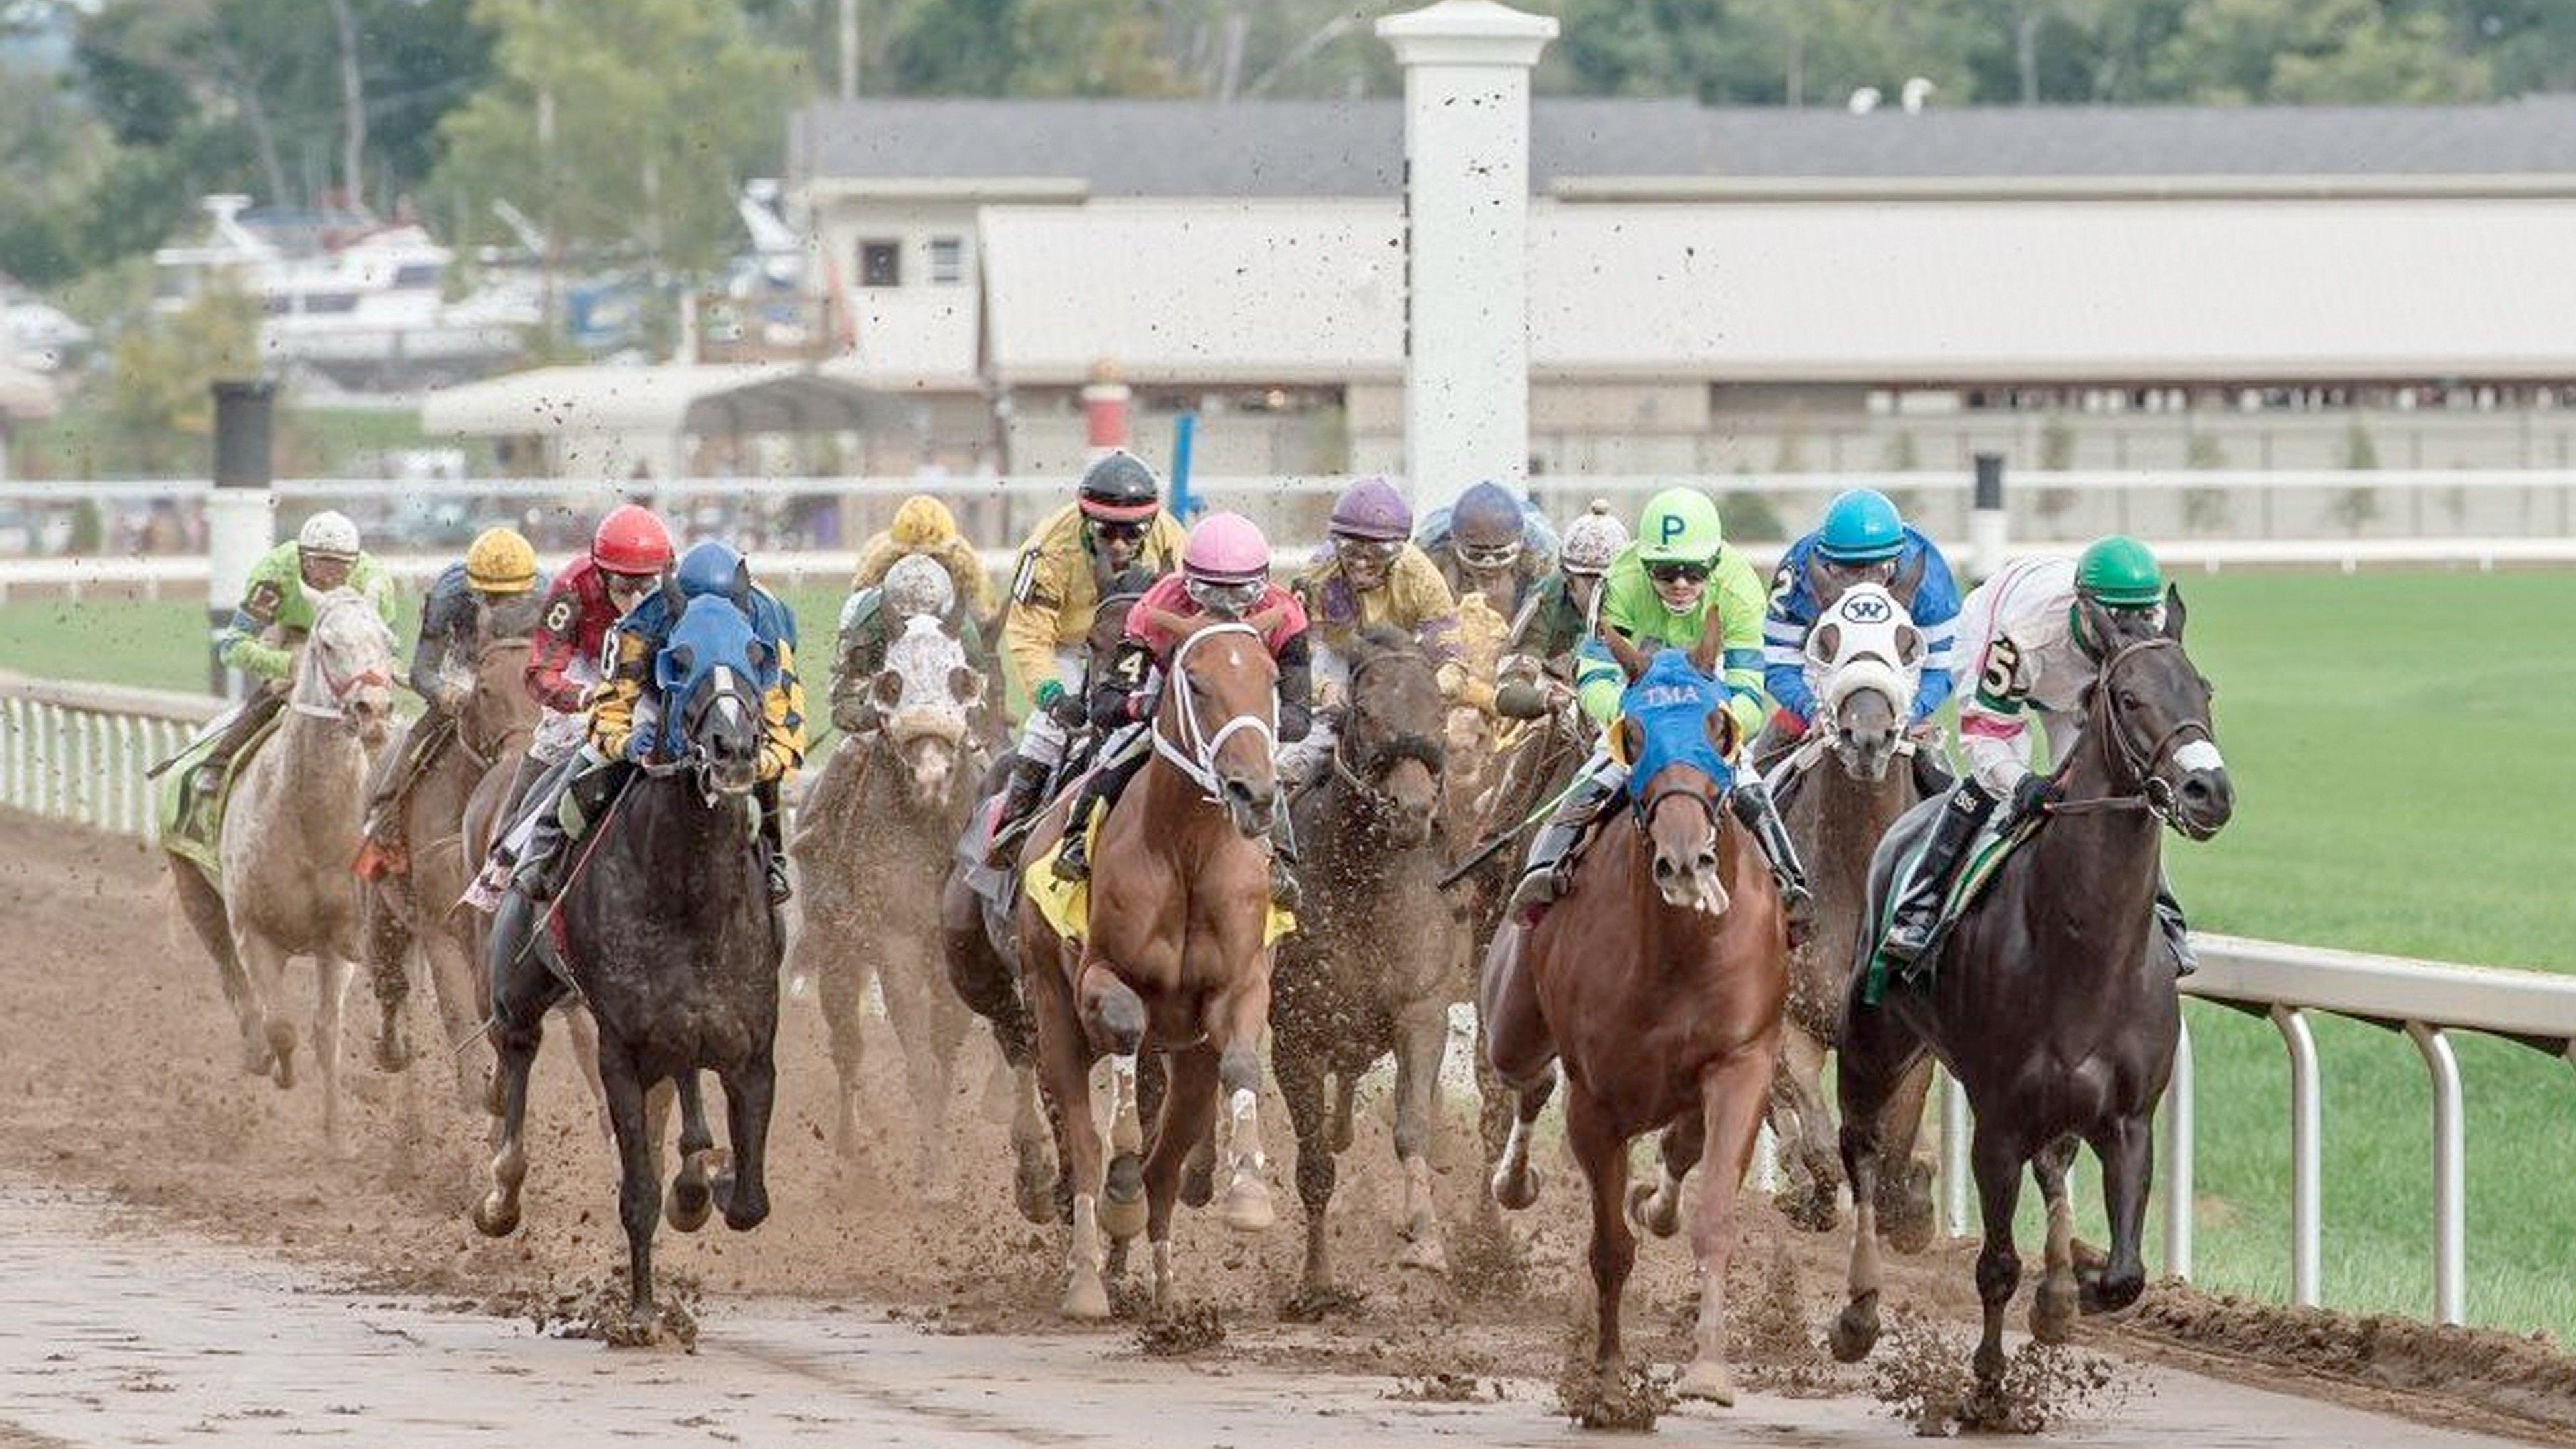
[[291, 833]]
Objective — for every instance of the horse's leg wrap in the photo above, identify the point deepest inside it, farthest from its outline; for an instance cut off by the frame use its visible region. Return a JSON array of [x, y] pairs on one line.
[[1919, 912], [2177, 931], [1752, 802]]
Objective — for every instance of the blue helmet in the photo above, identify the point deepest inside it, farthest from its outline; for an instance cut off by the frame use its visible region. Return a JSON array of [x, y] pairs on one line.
[[1486, 516], [1861, 526], [713, 568]]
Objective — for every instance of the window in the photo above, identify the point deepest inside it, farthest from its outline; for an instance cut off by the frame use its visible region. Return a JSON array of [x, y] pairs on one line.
[[880, 264], [947, 261]]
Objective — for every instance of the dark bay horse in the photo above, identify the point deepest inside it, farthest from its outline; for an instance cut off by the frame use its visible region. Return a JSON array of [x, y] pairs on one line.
[[416, 906], [1175, 960], [667, 931], [1375, 960], [1839, 790], [1653, 988], [2049, 1000]]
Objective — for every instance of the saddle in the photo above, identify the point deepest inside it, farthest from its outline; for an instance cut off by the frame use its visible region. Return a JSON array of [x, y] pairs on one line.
[[1066, 904], [1985, 855], [191, 820]]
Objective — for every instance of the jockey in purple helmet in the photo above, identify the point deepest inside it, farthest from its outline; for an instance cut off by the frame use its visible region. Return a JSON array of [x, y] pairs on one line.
[[1368, 573]]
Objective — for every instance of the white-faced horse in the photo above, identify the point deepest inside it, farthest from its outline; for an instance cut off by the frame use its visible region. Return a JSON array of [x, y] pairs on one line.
[[291, 834]]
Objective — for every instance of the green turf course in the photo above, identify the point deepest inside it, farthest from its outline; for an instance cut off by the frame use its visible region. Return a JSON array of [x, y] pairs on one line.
[[2397, 744]]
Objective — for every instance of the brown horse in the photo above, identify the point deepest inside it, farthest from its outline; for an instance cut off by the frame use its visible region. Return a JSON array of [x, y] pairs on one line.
[[417, 906], [1375, 961], [1174, 960], [2048, 1000], [1656, 982], [1839, 791]]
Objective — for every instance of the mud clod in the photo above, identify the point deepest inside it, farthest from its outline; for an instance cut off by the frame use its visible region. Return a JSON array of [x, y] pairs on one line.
[[1314, 1305], [1192, 1328], [1628, 1399], [1922, 1374]]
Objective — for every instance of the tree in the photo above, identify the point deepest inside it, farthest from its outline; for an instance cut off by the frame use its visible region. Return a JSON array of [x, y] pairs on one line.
[[159, 412], [622, 124]]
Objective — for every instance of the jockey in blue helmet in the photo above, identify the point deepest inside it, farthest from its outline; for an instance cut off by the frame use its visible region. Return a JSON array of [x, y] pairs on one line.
[[1863, 539]]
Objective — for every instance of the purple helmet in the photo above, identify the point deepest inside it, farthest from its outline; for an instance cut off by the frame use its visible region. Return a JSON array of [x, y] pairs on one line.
[[1373, 510]]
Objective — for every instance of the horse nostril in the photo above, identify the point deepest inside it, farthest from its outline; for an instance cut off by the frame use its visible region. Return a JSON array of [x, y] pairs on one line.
[[1663, 869], [1707, 861]]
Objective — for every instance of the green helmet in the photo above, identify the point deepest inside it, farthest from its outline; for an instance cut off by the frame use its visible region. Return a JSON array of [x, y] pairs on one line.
[[1679, 526], [2119, 572]]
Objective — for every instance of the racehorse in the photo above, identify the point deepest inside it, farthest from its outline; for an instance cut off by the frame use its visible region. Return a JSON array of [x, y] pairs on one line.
[[872, 850], [664, 926], [1839, 790], [1175, 958], [2047, 1000], [417, 905], [1653, 990], [291, 834], [1374, 963]]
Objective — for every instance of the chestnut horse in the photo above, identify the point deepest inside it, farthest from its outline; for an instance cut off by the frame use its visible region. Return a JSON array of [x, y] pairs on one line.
[[2048, 1000], [1653, 989], [1174, 959]]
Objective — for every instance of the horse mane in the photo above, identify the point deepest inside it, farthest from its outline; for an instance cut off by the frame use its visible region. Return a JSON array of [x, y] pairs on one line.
[[1386, 638]]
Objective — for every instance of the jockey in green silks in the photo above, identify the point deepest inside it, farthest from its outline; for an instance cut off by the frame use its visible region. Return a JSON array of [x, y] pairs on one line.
[[1658, 594]]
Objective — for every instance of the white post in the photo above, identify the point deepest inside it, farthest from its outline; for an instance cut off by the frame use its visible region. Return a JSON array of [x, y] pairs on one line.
[[2307, 1176], [241, 510], [1466, 156], [2180, 1151], [2450, 1193]]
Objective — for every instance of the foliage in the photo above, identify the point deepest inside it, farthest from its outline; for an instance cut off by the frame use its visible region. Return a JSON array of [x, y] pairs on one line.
[[621, 124], [159, 412]]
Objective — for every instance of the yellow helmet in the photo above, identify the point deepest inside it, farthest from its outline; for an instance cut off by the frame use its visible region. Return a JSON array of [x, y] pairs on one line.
[[499, 561], [922, 522]]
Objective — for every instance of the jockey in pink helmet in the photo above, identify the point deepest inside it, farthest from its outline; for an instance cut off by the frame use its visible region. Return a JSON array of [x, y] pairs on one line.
[[1225, 575]]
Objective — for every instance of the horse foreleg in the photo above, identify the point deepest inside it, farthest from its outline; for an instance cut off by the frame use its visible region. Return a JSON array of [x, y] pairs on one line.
[[461, 1002], [203, 906], [690, 1194], [1034, 1171], [1658, 1209], [332, 975], [583, 1029], [1421, 1036], [522, 990], [639, 1186], [1904, 1189], [931, 1029], [844, 986], [1189, 1102], [2127, 1149], [1800, 1083], [742, 1189], [1603, 1154], [385, 940], [1875, 1055], [268, 1038], [1064, 1072], [1241, 1018], [1731, 1095], [2052, 1308], [1298, 1066], [1516, 1182]]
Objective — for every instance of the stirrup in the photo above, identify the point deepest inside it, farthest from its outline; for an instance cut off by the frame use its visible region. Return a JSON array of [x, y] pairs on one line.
[[1072, 862], [780, 890], [1905, 940]]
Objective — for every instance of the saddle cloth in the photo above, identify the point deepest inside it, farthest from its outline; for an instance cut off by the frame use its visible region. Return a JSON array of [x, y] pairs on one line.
[[1066, 904], [192, 823], [1985, 855]]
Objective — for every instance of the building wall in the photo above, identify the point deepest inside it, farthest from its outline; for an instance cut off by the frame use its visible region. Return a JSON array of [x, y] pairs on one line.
[[922, 326]]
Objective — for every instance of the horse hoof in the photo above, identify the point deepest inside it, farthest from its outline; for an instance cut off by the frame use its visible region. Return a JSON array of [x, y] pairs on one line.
[[1516, 1191], [1808, 1209], [1086, 1298], [1707, 1379], [282, 1072], [1855, 1330], [1122, 1198], [1425, 1255], [1033, 1186], [496, 1219], [1198, 1184], [2101, 1293], [393, 1054], [1247, 1205], [690, 1202], [1643, 1214], [2052, 1311], [1988, 1364], [743, 1208]]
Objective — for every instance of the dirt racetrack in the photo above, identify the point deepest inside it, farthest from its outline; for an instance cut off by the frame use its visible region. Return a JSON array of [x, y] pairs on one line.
[[183, 1257]]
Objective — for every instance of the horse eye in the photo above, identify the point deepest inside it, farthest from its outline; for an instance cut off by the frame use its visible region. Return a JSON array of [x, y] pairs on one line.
[[2129, 699]]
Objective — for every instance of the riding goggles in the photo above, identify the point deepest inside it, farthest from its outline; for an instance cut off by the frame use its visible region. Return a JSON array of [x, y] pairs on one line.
[[1489, 557], [1837, 574], [1365, 552], [1679, 571], [1111, 531], [1230, 601]]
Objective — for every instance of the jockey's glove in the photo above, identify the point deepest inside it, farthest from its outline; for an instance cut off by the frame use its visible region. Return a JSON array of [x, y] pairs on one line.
[[1047, 693], [1065, 708], [2033, 793], [639, 747]]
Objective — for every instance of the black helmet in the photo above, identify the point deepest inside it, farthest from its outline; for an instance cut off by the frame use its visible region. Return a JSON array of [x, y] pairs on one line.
[[1120, 488]]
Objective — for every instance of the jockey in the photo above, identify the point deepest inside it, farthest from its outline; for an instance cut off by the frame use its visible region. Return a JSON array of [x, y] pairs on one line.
[[1492, 543], [922, 524], [1225, 574], [1115, 523], [629, 552], [499, 564], [1863, 540], [1563, 610], [272, 618], [915, 585], [1368, 573], [2028, 655], [1658, 594], [625, 718]]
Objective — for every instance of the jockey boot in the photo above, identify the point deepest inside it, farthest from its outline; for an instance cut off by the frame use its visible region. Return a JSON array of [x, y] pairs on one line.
[[244, 722], [1019, 797], [1752, 802], [772, 824], [2177, 931], [1931, 772], [591, 785], [1543, 879], [1919, 913], [1284, 891]]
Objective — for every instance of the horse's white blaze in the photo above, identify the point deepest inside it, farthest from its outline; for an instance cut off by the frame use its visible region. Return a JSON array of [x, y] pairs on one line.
[[2200, 755]]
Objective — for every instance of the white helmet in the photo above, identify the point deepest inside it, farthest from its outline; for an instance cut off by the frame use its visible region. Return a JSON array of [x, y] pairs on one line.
[[328, 534], [918, 585], [1592, 541]]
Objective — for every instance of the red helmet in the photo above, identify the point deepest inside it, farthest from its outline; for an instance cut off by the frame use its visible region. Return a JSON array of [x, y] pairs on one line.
[[631, 540]]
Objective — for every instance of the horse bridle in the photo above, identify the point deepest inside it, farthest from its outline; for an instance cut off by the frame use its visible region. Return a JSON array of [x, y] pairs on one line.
[[319, 659], [1194, 755], [2150, 791], [1405, 745]]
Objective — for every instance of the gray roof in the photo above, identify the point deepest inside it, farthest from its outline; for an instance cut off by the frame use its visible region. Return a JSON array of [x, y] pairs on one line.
[[1355, 148]]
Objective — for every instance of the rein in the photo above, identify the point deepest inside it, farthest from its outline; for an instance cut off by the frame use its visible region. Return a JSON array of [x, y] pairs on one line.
[[1194, 754], [2149, 792], [315, 664]]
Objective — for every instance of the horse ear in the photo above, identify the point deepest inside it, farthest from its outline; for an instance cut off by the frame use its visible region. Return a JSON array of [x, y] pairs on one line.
[[966, 686], [742, 585], [1632, 740], [1632, 660], [1712, 642], [1909, 646], [1723, 731], [1826, 644], [888, 688], [672, 599], [2173, 612]]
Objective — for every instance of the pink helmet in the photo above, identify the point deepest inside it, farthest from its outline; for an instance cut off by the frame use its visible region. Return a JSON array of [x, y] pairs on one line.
[[1226, 548]]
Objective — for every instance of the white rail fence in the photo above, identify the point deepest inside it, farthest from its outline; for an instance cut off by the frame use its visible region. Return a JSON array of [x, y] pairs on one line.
[[78, 753]]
